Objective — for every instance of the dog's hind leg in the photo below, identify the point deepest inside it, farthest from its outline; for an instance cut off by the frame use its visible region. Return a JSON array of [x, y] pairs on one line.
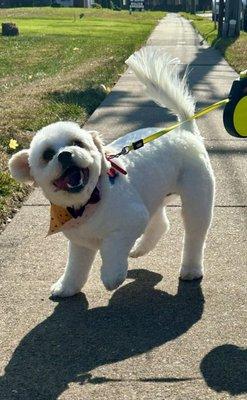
[[157, 226], [197, 197]]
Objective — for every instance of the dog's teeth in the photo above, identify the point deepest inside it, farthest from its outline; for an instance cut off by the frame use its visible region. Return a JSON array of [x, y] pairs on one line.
[[74, 186]]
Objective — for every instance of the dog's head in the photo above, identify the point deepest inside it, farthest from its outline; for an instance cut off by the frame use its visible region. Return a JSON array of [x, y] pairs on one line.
[[64, 160]]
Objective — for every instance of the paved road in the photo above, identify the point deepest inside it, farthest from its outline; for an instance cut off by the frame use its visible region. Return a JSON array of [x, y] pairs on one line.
[[155, 337]]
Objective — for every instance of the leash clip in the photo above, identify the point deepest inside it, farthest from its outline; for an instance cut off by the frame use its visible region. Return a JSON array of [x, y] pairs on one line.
[[125, 150]]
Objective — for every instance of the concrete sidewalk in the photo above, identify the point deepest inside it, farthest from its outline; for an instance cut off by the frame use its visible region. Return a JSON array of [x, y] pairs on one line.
[[155, 337]]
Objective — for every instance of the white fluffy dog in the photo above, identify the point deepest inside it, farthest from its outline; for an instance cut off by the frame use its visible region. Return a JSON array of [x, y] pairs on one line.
[[128, 218]]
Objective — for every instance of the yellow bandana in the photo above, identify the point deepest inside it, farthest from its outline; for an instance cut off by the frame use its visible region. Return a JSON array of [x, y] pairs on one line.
[[58, 217], [61, 218]]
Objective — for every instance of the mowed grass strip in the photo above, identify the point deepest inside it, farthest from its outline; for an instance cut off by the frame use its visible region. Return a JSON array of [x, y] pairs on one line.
[[233, 50], [53, 71]]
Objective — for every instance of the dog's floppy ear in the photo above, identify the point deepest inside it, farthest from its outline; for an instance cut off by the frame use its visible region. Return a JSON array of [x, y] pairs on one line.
[[100, 146], [97, 140], [19, 166]]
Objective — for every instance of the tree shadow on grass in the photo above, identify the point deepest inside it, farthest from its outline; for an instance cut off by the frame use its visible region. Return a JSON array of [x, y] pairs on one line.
[[73, 341], [89, 99], [225, 369]]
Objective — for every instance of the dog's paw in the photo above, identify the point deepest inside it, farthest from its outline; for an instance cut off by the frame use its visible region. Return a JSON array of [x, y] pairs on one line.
[[113, 281], [138, 252], [139, 249], [191, 273], [63, 289]]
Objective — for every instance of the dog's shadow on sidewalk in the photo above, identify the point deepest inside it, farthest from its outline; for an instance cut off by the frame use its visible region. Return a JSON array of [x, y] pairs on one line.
[[73, 341]]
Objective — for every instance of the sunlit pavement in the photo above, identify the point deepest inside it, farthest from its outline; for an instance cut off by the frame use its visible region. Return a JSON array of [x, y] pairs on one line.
[[154, 337]]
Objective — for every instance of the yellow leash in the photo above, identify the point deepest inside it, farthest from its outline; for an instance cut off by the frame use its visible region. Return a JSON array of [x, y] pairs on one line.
[[140, 143]]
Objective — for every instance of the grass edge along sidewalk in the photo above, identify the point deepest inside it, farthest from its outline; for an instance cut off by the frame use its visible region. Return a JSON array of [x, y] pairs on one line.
[[233, 50], [61, 84]]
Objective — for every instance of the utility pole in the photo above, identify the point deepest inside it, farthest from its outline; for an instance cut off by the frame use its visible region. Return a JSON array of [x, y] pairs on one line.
[[233, 12]]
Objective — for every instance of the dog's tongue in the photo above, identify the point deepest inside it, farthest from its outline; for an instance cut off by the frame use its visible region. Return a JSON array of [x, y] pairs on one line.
[[71, 178]]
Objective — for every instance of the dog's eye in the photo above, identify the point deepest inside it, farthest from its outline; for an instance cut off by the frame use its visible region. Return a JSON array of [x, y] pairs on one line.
[[48, 154], [77, 143]]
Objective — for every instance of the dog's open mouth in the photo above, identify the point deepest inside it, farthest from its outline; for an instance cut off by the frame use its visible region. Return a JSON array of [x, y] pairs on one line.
[[72, 180]]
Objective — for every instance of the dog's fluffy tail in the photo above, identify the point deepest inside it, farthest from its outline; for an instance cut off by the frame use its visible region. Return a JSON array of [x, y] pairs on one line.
[[159, 72]]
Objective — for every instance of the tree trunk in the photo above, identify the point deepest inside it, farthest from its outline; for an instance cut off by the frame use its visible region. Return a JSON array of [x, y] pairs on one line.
[[233, 10], [220, 20], [193, 6]]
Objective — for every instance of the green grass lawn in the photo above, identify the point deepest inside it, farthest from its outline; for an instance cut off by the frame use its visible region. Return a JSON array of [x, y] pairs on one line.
[[53, 71], [233, 50]]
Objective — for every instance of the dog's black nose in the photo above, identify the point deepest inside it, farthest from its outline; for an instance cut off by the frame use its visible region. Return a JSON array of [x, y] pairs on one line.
[[65, 158]]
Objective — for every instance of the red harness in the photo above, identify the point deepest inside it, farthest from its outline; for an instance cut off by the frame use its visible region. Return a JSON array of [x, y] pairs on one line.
[[115, 167]]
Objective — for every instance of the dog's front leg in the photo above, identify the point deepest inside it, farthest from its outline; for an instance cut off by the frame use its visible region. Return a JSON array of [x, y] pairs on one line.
[[76, 272], [114, 252]]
